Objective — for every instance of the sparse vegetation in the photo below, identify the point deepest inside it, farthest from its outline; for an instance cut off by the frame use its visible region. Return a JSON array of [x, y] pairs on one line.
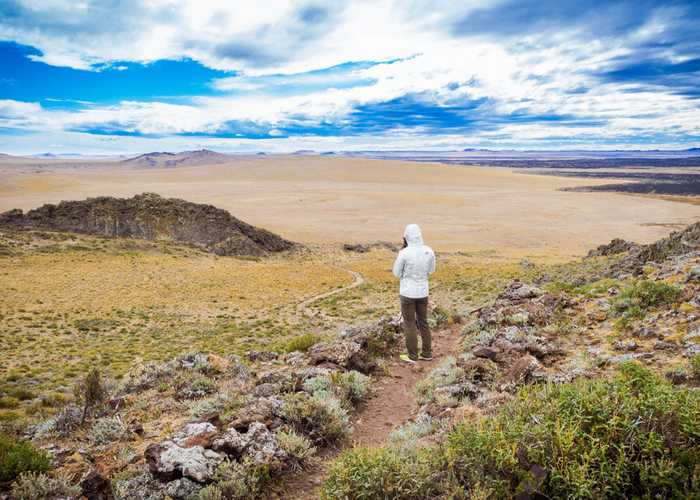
[[39, 486]]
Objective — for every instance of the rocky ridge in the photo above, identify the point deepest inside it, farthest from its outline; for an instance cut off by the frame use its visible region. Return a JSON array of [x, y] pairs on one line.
[[149, 216]]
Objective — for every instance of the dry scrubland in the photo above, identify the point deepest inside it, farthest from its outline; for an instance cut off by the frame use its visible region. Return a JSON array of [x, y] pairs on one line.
[[73, 302]]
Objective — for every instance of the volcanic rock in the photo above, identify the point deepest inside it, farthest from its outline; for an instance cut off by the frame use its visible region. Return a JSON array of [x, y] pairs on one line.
[[150, 217]]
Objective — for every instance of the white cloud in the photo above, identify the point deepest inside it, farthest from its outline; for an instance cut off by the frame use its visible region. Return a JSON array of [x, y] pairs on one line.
[[280, 42]]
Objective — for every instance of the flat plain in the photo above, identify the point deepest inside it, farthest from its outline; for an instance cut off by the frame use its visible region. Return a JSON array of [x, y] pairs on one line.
[[330, 200]]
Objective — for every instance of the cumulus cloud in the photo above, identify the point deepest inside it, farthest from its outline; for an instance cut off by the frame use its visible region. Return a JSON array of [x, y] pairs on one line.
[[380, 72]]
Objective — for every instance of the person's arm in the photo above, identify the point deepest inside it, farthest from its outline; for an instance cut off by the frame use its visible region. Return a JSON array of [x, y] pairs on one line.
[[431, 268], [398, 265]]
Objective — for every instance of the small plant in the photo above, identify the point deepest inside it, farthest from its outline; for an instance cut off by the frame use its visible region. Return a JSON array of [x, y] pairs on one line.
[[351, 386], [298, 447], [106, 430], [39, 486], [301, 343], [8, 403], [90, 392], [695, 367], [445, 374], [636, 299], [321, 417], [382, 473], [237, 481], [17, 457]]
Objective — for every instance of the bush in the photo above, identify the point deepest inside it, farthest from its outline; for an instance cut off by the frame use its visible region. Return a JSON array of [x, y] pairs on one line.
[[320, 417], [301, 343], [106, 430], [32, 486], [634, 300], [634, 436], [695, 367], [445, 374], [349, 387], [90, 392], [8, 403], [237, 480], [383, 473], [17, 457], [299, 448]]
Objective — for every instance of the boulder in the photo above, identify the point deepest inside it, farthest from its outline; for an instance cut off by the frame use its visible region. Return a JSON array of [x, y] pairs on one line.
[[485, 352], [168, 461], [258, 445], [342, 353], [264, 409], [521, 370], [95, 486], [195, 434]]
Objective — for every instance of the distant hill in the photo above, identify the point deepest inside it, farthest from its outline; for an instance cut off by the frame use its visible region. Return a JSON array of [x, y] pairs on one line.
[[184, 158], [151, 217]]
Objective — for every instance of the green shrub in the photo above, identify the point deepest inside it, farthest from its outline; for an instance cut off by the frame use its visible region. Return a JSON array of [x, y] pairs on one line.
[[635, 299], [237, 481], [695, 367], [17, 457], [438, 317], [90, 392], [298, 447], [8, 402], [385, 473], [349, 387], [301, 343], [32, 486], [320, 417], [634, 436], [22, 393], [447, 373]]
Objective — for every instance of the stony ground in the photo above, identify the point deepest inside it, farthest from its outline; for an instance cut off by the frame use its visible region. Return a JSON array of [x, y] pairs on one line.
[[269, 422]]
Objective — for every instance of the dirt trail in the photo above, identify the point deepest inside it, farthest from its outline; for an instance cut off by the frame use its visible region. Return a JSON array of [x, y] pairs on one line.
[[392, 404], [358, 280]]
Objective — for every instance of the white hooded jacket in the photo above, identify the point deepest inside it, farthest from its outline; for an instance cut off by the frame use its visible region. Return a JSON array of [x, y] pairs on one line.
[[414, 264]]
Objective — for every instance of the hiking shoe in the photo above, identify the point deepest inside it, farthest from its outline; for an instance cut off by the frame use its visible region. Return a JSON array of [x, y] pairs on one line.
[[405, 358], [425, 358]]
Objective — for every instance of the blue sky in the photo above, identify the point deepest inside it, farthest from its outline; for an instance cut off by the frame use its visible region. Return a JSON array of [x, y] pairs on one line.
[[135, 75]]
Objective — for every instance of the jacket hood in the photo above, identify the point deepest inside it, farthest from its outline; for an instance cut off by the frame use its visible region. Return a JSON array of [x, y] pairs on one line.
[[413, 235]]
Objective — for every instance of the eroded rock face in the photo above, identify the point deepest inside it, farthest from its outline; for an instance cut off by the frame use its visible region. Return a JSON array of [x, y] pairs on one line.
[[168, 461], [150, 217]]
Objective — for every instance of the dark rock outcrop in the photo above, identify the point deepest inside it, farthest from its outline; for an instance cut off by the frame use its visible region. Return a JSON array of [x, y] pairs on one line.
[[151, 217], [677, 243], [616, 246]]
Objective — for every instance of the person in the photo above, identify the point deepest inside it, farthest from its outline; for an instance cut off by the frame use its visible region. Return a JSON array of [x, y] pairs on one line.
[[413, 265]]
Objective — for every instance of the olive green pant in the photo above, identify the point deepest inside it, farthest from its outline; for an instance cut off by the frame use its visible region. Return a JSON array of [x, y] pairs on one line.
[[415, 317]]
